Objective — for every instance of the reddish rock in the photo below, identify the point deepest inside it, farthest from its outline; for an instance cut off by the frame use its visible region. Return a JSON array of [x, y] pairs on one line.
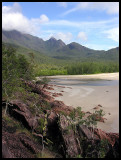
[[70, 142], [18, 145], [99, 105], [111, 137], [52, 118], [5, 151], [49, 88], [59, 106], [38, 89], [84, 131], [57, 94], [22, 110]]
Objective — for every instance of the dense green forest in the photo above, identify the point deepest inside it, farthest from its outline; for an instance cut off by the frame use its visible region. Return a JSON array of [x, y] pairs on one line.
[[92, 68], [14, 68], [45, 66]]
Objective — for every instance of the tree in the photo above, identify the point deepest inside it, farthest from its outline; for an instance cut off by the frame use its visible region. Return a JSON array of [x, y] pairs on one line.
[[13, 69]]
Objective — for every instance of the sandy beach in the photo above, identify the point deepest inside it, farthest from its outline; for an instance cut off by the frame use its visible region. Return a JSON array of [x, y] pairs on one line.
[[88, 91]]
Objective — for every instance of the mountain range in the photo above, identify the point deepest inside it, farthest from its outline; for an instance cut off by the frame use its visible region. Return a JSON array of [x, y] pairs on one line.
[[57, 49]]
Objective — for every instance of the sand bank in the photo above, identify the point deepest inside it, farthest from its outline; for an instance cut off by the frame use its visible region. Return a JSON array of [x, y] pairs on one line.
[[107, 76], [89, 96]]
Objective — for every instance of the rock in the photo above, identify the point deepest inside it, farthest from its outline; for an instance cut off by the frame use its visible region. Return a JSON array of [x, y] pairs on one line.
[[99, 105], [59, 106], [52, 118], [57, 94], [70, 142], [100, 119], [111, 137], [18, 145], [5, 151], [85, 132], [38, 89], [49, 88], [27, 142], [21, 112]]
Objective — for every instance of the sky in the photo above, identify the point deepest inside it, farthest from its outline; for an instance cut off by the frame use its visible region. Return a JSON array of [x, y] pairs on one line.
[[91, 24]]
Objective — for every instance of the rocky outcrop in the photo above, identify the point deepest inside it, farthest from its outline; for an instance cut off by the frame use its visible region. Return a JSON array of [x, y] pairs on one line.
[[18, 145], [84, 131], [57, 94], [70, 142], [111, 137], [69, 138], [59, 106], [38, 89], [21, 111]]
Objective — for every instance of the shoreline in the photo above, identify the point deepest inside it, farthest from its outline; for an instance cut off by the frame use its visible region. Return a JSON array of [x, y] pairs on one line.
[[106, 76], [88, 97]]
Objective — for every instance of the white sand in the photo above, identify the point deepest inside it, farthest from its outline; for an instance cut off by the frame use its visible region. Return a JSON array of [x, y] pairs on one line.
[[89, 97], [108, 76]]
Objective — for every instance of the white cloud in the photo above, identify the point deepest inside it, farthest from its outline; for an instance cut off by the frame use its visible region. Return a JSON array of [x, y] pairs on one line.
[[66, 37], [113, 34], [87, 24], [82, 36], [17, 21], [62, 4], [100, 46], [109, 7], [42, 20], [14, 9], [13, 19]]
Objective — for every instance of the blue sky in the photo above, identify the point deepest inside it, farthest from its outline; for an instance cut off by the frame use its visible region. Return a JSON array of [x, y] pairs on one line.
[[92, 24]]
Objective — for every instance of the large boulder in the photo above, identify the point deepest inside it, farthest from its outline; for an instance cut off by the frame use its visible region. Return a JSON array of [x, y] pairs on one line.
[[21, 111], [70, 142], [85, 132]]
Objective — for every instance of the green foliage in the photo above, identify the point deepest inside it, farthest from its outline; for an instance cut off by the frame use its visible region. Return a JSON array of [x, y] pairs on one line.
[[51, 72], [13, 69], [92, 68], [101, 113], [103, 148], [45, 80], [73, 114], [41, 125]]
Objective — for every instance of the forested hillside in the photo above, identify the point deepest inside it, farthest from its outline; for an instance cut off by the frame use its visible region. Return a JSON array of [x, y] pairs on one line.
[[54, 57]]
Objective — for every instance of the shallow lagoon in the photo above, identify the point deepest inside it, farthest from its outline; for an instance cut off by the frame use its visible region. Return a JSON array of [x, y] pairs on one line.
[[84, 82], [88, 92]]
